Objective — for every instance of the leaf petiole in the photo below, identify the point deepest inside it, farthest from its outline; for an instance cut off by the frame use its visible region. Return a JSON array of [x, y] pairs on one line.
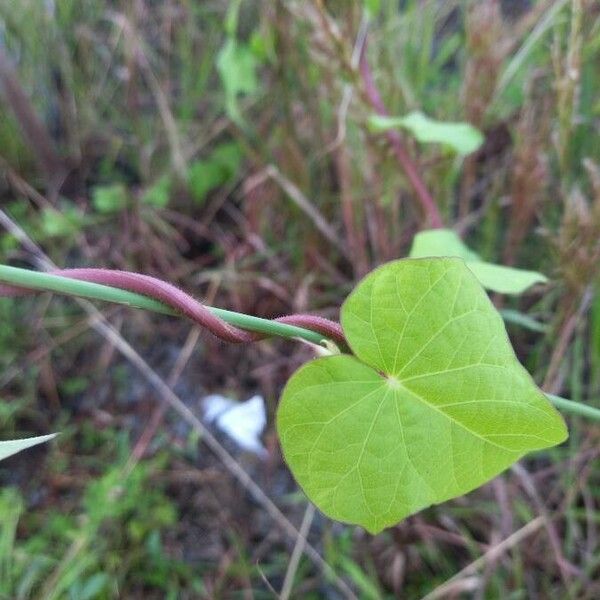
[[575, 408]]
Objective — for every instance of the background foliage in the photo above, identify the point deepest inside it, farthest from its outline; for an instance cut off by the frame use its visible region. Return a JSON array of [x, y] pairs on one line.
[[226, 146]]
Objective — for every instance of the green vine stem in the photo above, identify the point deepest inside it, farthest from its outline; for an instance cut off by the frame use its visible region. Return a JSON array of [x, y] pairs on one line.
[[35, 280], [576, 408]]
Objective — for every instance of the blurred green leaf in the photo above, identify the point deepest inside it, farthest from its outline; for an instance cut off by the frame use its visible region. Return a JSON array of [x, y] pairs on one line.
[[109, 198], [93, 586], [262, 45], [159, 194], [203, 176], [505, 280], [440, 242], [73, 385], [10, 447], [218, 168], [445, 242], [231, 18], [463, 138], [237, 66], [61, 223], [523, 320], [372, 7], [228, 157]]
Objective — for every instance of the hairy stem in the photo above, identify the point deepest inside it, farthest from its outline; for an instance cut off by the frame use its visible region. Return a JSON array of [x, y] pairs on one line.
[[150, 293]]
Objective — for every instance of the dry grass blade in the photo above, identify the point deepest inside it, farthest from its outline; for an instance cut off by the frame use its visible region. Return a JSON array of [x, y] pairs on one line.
[[307, 207], [34, 130], [492, 554], [170, 125], [566, 569], [288, 581], [161, 410], [542, 26]]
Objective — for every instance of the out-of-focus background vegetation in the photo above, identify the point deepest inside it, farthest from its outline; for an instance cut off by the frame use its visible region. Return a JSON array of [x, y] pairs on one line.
[[224, 146]]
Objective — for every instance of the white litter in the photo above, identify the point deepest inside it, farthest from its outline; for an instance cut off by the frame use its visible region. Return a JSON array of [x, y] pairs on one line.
[[243, 422]]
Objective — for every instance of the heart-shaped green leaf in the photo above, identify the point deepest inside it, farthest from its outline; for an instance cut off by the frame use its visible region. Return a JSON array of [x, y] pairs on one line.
[[433, 404], [498, 278]]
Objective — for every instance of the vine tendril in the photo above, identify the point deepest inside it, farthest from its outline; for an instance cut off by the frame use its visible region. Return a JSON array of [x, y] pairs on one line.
[[180, 302]]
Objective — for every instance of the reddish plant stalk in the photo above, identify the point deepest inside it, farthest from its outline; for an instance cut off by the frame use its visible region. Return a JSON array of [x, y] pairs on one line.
[[185, 304], [34, 131], [410, 168]]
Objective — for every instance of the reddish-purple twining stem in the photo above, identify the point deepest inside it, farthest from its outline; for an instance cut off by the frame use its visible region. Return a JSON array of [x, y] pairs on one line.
[[409, 167], [185, 304]]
